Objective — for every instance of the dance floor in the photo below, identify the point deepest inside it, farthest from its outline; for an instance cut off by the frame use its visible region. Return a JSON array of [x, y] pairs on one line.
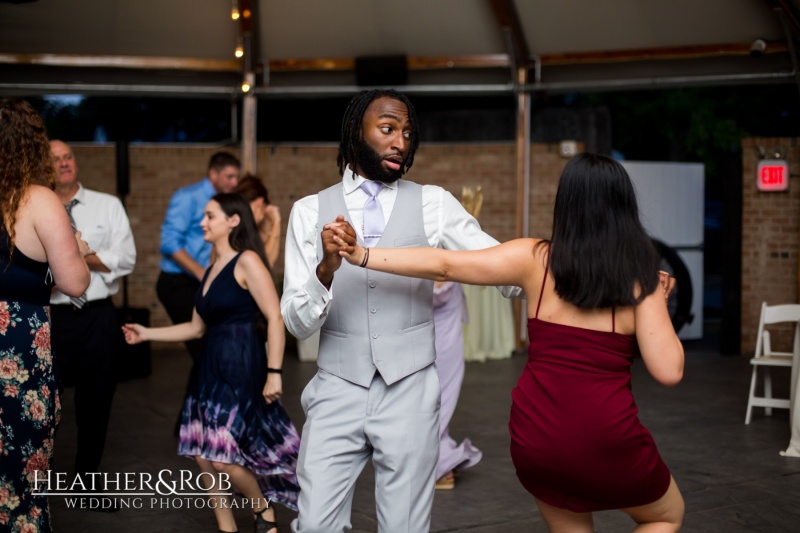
[[731, 475]]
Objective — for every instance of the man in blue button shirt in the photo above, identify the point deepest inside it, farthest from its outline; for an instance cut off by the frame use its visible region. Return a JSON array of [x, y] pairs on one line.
[[185, 254]]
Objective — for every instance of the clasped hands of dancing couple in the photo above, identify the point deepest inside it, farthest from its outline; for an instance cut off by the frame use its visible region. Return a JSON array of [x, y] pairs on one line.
[[342, 233]]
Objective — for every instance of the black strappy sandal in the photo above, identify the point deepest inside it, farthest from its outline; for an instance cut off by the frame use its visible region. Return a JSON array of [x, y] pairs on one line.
[[261, 525]]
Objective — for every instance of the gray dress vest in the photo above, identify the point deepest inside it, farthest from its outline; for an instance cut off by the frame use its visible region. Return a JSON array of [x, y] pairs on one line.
[[377, 320]]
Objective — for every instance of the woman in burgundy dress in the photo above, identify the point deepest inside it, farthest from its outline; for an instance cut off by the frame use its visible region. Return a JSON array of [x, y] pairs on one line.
[[595, 299]]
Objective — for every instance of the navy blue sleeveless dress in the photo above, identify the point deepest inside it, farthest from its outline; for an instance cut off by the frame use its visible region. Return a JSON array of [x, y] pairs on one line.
[[30, 406], [225, 417]]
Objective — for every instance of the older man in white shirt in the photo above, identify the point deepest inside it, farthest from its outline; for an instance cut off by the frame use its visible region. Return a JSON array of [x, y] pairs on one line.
[[85, 334]]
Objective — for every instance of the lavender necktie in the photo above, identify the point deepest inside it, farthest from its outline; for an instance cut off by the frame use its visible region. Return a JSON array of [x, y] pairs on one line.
[[80, 301], [373, 214]]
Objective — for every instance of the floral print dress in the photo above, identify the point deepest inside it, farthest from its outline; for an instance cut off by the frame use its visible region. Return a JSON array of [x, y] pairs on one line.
[[29, 398]]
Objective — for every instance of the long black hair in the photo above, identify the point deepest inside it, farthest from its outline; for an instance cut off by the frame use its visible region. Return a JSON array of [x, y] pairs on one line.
[[599, 250], [354, 119], [244, 237]]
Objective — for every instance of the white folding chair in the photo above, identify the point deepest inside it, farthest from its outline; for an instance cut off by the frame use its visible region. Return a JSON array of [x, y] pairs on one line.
[[766, 358]]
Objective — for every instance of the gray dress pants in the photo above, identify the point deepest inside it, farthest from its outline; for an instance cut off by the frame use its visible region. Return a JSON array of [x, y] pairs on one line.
[[346, 424]]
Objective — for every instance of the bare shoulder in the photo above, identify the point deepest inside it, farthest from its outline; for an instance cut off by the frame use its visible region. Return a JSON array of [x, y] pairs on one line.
[[250, 261], [536, 249], [41, 194], [518, 261], [528, 243], [250, 271], [42, 201]]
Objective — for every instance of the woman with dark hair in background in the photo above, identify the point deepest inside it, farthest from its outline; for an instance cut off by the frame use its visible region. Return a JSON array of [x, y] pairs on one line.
[[233, 422], [595, 299], [267, 215], [37, 249]]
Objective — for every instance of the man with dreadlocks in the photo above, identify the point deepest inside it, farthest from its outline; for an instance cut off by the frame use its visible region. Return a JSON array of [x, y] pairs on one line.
[[376, 393]]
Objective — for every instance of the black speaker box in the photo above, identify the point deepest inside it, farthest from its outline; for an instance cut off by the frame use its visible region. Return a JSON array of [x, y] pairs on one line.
[[135, 359], [381, 71]]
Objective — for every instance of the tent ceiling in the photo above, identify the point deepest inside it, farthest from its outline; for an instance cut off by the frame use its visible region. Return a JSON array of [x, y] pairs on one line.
[[41, 41]]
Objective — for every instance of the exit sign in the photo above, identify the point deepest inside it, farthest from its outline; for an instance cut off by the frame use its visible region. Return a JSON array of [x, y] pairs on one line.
[[773, 175]]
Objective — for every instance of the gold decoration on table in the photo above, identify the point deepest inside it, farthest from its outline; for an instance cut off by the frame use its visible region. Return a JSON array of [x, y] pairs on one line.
[[490, 331], [472, 199]]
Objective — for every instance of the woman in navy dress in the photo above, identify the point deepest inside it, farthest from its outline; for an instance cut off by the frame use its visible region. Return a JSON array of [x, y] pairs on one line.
[[233, 422], [37, 248]]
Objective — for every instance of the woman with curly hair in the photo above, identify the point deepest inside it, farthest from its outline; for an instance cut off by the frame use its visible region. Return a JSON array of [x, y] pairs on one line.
[[37, 249]]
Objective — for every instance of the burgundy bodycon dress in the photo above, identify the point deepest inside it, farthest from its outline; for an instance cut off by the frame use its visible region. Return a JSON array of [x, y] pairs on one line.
[[576, 439]]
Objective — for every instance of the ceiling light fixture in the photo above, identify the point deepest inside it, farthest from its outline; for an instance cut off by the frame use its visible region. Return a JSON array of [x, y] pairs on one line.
[[248, 82]]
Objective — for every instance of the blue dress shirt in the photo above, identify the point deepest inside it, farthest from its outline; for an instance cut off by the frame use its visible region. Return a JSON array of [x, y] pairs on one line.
[[181, 228]]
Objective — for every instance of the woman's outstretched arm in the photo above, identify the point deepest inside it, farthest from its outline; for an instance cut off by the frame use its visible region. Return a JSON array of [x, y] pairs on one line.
[[511, 263], [136, 333]]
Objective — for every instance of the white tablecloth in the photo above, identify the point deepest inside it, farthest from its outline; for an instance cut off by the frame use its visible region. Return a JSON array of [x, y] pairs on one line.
[[490, 331]]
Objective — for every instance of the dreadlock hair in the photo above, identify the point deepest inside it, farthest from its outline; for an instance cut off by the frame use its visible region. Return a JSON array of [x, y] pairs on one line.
[[25, 159], [352, 126]]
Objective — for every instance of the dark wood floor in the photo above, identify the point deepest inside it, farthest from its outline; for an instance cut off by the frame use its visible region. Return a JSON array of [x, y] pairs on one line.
[[731, 475]]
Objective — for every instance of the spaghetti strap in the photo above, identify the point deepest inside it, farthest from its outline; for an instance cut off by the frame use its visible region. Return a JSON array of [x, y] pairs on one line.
[[544, 280], [613, 325]]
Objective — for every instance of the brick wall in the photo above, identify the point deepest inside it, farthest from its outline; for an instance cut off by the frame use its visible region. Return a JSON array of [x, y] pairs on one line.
[[292, 172], [769, 240], [770, 220]]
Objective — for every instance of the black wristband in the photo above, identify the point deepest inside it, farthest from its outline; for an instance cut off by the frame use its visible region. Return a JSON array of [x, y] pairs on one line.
[[366, 258], [274, 370]]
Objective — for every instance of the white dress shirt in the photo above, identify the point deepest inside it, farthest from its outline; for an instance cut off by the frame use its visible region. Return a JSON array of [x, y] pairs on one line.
[[305, 300], [104, 225]]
